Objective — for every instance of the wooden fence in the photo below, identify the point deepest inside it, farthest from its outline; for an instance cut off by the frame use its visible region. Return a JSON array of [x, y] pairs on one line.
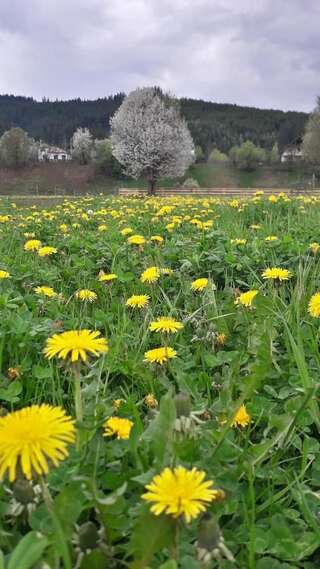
[[214, 192]]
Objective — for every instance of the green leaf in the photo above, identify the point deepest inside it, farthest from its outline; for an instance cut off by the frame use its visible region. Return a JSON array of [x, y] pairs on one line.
[[210, 360], [170, 564], [41, 372], [68, 505], [112, 498], [28, 551], [271, 563], [160, 430], [188, 562], [12, 392], [94, 560], [1, 560], [151, 534]]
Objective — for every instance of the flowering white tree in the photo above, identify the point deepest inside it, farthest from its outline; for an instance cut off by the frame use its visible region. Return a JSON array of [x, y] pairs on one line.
[[149, 138], [82, 145], [311, 139]]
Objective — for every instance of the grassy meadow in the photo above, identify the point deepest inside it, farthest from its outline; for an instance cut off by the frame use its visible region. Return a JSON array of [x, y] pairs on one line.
[[182, 429]]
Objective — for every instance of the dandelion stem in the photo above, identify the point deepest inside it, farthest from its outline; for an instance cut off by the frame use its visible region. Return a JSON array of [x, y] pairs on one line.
[[174, 547], [60, 537], [78, 399]]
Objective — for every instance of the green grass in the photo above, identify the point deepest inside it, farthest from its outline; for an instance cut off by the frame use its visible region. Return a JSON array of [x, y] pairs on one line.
[[268, 469], [70, 179]]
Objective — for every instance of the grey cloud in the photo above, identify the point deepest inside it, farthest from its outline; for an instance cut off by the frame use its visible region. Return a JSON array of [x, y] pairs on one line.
[[262, 53]]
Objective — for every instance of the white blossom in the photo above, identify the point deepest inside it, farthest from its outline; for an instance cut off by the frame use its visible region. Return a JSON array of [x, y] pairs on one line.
[[82, 145], [149, 138]]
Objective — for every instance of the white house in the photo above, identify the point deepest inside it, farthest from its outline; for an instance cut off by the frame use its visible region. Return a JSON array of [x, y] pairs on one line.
[[48, 153], [292, 153]]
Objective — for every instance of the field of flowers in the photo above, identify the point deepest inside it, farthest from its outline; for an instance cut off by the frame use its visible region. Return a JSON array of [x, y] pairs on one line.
[[159, 384]]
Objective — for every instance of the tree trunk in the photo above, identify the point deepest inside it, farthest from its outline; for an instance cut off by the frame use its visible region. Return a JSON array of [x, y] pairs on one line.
[[151, 187]]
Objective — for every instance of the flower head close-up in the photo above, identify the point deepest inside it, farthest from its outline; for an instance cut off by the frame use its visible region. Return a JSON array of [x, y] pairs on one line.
[[276, 274], [160, 355], [4, 274], [117, 426], [246, 298], [32, 245], [138, 300], [199, 284], [136, 240], [150, 275], [47, 291], [47, 251], [76, 345], [85, 294], [107, 277], [241, 417], [165, 324], [33, 439], [314, 305], [180, 492]]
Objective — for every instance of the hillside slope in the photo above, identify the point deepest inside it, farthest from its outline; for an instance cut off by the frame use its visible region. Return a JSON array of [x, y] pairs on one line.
[[211, 124]]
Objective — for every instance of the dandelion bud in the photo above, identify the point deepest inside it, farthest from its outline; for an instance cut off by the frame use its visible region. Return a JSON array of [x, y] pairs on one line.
[[209, 533], [88, 536], [182, 403], [23, 491], [210, 544]]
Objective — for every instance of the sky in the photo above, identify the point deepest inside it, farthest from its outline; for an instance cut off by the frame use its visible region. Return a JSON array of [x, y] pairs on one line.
[[262, 53]]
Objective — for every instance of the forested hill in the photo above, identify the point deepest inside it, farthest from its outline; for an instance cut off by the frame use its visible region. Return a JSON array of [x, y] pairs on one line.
[[211, 124]]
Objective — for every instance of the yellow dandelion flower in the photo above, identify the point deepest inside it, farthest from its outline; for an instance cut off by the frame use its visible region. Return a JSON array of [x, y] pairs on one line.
[[138, 300], [33, 439], [102, 228], [32, 245], [126, 231], [166, 271], [4, 274], [246, 298], [238, 241], [157, 239], [160, 355], [150, 401], [136, 240], [107, 277], [180, 492], [118, 426], [45, 251], [275, 273], [117, 403], [199, 284], [76, 344], [45, 291], [255, 226], [241, 418], [314, 305], [221, 339], [271, 238], [86, 295], [314, 247], [165, 324], [150, 275], [29, 235]]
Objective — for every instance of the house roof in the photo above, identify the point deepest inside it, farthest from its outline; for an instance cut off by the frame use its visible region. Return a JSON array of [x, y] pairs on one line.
[[53, 149]]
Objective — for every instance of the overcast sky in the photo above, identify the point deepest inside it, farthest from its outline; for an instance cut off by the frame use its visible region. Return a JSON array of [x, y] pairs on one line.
[[263, 53]]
